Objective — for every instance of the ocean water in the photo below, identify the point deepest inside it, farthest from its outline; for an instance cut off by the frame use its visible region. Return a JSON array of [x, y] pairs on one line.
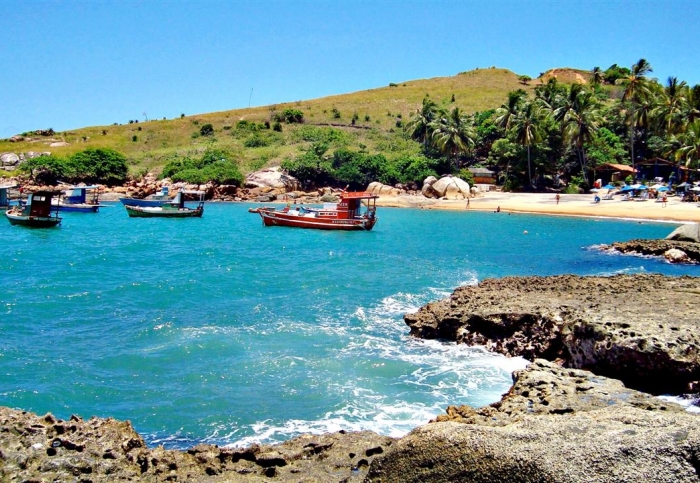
[[220, 330]]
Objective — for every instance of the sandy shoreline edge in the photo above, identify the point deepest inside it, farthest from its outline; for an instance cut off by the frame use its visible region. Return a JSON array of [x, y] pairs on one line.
[[546, 204]]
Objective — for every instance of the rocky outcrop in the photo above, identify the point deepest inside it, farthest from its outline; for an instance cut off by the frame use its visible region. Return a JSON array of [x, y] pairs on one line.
[[641, 329], [45, 448], [377, 188], [689, 232], [448, 187], [272, 178], [555, 425], [659, 248]]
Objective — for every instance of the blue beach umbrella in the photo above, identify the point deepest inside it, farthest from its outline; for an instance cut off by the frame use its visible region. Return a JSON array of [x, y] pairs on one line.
[[609, 187], [662, 188]]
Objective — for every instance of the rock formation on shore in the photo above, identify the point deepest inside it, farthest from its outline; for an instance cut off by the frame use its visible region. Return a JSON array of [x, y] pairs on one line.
[[681, 246], [641, 329], [555, 425], [45, 448]]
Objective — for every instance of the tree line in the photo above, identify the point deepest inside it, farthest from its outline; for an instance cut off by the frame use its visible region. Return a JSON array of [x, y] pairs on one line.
[[623, 117]]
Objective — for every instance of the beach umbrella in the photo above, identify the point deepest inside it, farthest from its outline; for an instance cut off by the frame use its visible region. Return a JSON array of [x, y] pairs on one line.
[[609, 187], [594, 190], [662, 188], [627, 188], [639, 187], [682, 185], [697, 188]]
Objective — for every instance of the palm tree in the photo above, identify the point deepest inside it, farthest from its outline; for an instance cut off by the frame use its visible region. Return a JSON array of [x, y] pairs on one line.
[[419, 128], [636, 89], [672, 105], [597, 76], [689, 151], [526, 127], [505, 114], [580, 119], [453, 134]]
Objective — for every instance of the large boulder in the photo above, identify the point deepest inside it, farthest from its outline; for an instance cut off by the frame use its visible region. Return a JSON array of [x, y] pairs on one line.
[[689, 232], [271, 178], [377, 188], [427, 189], [9, 160], [555, 425], [451, 188]]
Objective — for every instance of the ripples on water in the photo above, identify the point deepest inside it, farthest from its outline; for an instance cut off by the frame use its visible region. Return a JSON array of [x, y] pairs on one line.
[[220, 330]]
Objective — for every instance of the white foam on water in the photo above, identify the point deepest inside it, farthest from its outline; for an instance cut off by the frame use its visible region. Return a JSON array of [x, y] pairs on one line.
[[691, 402]]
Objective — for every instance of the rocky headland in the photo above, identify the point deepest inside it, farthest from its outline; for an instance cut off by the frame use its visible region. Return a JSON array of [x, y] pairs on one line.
[[575, 414]]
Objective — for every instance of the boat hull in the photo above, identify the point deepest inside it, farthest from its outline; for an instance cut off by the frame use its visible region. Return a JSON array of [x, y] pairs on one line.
[[79, 208], [160, 212], [143, 203], [276, 218], [33, 221]]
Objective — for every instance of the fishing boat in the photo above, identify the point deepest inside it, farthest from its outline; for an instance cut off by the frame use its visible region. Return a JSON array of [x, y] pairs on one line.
[[76, 199], [36, 212], [156, 199], [172, 209], [356, 210]]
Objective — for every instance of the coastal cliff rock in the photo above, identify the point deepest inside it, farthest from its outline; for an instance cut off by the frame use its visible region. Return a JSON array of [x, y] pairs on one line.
[[554, 425], [45, 448], [641, 329]]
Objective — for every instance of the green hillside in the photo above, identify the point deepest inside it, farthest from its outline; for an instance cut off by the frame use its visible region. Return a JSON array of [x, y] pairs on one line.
[[378, 115]]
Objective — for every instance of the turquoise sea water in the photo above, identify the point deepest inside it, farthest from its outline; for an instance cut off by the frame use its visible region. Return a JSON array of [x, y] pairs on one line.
[[223, 331]]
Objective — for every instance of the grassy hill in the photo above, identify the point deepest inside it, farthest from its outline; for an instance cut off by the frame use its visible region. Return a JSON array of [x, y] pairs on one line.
[[378, 112]]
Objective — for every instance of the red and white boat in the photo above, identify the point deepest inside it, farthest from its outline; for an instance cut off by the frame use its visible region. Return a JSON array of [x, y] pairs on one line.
[[356, 210]]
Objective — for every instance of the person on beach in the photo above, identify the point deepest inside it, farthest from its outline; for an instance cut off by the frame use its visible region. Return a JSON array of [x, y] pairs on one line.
[[467, 203], [557, 198], [663, 201]]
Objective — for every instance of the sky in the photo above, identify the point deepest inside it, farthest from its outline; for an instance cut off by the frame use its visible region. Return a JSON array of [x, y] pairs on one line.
[[71, 64]]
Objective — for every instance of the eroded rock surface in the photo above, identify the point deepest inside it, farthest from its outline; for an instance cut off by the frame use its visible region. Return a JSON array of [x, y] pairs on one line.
[[45, 448], [641, 329], [659, 248], [555, 425]]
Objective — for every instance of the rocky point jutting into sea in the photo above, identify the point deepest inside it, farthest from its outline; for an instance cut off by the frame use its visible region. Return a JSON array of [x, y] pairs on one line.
[[569, 419]]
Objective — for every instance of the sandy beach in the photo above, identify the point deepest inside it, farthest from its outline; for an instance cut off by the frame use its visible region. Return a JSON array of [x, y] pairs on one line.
[[546, 203]]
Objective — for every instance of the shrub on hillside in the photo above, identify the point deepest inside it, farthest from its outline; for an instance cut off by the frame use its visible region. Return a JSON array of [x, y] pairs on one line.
[[206, 130], [215, 165], [290, 116], [91, 166]]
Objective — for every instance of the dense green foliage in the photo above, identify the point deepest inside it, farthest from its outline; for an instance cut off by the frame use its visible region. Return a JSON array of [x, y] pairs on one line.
[[90, 166], [215, 165], [357, 169]]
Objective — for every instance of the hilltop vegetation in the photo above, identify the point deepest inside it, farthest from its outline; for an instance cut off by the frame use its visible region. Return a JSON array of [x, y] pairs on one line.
[[368, 120], [560, 125]]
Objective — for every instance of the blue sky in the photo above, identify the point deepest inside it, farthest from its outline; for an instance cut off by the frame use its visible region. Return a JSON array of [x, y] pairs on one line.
[[72, 64]]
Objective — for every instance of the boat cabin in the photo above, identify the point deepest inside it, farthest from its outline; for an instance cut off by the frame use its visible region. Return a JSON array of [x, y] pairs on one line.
[[39, 203], [78, 194], [4, 198]]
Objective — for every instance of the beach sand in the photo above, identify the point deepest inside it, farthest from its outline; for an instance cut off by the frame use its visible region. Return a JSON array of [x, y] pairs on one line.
[[546, 203]]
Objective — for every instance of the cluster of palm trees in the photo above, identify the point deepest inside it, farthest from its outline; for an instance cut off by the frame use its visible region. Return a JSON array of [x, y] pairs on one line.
[[562, 123]]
